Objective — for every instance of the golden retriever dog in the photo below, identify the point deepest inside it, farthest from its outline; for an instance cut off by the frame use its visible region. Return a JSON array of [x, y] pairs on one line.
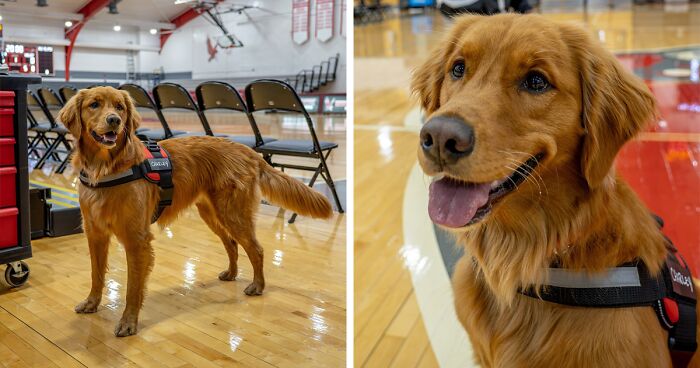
[[222, 178], [524, 120]]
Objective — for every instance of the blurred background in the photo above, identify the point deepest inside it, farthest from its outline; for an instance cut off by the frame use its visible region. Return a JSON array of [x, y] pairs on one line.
[[403, 299]]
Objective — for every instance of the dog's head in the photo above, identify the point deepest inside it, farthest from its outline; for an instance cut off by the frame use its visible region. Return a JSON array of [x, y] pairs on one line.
[[513, 101], [104, 117]]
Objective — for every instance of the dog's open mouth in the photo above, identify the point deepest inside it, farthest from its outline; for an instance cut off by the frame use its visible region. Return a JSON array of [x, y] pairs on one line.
[[108, 138], [456, 203]]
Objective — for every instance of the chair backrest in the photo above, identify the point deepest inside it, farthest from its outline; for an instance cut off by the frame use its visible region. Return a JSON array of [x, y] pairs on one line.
[[172, 95], [49, 98], [221, 95], [142, 99], [270, 94], [324, 72], [67, 92], [316, 82], [32, 105], [36, 103], [333, 67]]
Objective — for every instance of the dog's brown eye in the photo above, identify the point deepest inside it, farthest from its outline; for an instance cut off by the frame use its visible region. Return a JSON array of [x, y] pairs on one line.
[[94, 105], [536, 82], [120, 107], [458, 70]]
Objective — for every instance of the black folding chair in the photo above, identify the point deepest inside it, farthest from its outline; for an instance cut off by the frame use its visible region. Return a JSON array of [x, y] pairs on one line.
[[333, 67], [316, 82], [40, 128], [67, 92], [175, 96], [220, 95], [268, 94], [50, 100], [143, 100], [324, 72]]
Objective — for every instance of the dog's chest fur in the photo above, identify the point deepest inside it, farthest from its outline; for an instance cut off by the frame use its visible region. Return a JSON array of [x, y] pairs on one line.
[[533, 333]]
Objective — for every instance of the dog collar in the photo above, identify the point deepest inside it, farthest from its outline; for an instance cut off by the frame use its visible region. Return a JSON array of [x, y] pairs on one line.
[[157, 169]]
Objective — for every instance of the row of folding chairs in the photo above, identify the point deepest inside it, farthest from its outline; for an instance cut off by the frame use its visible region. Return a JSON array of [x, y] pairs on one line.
[[309, 80], [50, 141], [262, 95]]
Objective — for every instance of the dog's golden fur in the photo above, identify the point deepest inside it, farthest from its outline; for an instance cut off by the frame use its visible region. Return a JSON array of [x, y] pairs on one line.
[[222, 178], [573, 209]]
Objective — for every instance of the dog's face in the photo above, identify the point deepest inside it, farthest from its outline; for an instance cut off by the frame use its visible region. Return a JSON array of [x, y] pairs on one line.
[[101, 116], [511, 99]]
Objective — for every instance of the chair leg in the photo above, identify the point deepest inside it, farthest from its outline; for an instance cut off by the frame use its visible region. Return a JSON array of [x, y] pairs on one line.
[[311, 184], [64, 163], [62, 167], [329, 180], [49, 152], [33, 143]]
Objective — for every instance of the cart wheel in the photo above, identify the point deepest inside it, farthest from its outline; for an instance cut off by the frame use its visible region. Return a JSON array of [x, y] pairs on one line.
[[15, 279]]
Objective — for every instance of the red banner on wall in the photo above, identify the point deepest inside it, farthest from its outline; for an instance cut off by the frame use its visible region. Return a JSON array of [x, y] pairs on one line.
[[325, 11], [300, 20]]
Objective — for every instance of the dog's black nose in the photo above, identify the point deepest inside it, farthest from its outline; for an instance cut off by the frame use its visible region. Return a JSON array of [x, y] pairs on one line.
[[447, 138], [113, 120]]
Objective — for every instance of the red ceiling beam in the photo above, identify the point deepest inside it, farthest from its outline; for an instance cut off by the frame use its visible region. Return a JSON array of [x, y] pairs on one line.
[[88, 11], [179, 21]]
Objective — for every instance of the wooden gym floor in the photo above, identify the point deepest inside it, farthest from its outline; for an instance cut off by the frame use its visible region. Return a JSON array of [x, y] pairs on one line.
[[190, 318], [394, 324]]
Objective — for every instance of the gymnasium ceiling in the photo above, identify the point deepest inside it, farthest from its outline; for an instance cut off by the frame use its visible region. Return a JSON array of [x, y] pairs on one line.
[[133, 10]]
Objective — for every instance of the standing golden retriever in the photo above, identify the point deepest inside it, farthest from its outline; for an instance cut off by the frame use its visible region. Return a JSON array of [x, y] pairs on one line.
[[222, 178], [524, 120]]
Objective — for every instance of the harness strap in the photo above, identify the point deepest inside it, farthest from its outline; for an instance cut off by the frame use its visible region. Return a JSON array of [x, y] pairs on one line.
[[156, 169], [621, 287], [670, 294]]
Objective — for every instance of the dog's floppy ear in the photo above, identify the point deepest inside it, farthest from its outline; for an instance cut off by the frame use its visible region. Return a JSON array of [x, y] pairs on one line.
[[615, 104], [427, 79], [70, 115], [133, 119]]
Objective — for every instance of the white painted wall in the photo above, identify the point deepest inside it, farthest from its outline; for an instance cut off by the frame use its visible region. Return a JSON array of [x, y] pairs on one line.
[[268, 48], [268, 51]]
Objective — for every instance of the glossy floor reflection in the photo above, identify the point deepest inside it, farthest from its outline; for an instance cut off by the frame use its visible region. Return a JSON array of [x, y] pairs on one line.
[[190, 318], [393, 327]]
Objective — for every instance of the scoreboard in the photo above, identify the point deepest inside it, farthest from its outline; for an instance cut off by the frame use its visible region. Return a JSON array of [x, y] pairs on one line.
[[26, 58]]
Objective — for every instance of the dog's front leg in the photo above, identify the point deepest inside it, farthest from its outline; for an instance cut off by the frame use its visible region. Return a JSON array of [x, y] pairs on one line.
[[98, 241], [139, 260]]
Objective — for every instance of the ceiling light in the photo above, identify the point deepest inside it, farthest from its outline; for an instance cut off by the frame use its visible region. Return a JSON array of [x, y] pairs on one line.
[[68, 24], [117, 28], [153, 31]]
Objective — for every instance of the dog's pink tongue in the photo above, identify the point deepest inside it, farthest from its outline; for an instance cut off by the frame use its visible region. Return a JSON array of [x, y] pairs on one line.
[[454, 204]]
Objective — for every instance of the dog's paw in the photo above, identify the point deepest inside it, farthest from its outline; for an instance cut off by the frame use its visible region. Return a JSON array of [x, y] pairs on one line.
[[87, 306], [125, 328], [227, 275], [254, 289]]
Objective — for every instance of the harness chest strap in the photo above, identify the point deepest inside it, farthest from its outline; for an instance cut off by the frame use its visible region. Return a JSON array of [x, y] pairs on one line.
[[671, 295], [157, 169]]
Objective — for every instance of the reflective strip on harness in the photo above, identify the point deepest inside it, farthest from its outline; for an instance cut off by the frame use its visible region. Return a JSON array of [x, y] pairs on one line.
[[612, 277]]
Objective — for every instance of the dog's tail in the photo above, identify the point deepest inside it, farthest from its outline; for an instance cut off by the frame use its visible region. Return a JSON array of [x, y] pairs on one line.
[[282, 190]]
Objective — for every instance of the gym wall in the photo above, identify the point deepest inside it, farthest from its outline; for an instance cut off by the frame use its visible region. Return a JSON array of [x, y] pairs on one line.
[[268, 48], [100, 54]]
